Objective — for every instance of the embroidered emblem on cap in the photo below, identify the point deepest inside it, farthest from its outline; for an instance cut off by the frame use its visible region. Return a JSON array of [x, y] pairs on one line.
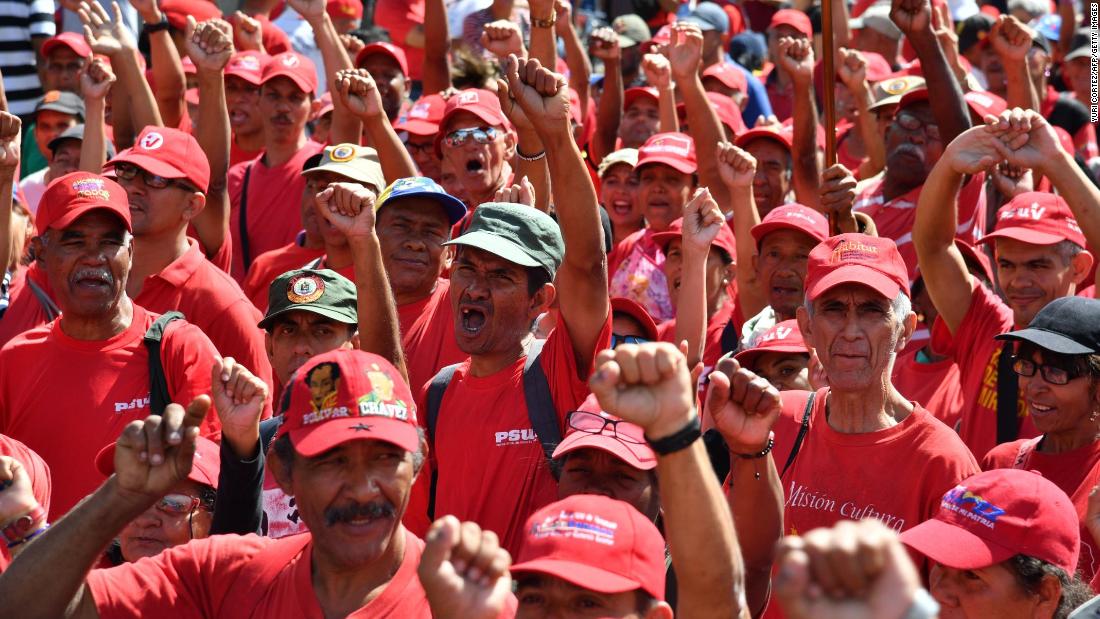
[[670, 144], [152, 141], [247, 62], [971, 506], [849, 251], [380, 401], [780, 333], [897, 86], [577, 525], [467, 97], [290, 60], [51, 96], [91, 188], [420, 110], [342, 153], [305, 289]]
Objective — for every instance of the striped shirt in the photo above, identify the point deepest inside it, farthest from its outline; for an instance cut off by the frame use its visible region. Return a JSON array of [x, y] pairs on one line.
[[19, 21]]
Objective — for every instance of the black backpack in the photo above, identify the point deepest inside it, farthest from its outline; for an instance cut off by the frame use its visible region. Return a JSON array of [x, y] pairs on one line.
[[159, 398]]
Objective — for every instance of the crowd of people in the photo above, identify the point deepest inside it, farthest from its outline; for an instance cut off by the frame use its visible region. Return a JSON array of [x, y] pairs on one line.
[[530, 308]]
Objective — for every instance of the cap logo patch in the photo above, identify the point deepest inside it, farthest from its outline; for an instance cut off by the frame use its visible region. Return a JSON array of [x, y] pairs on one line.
[[290, 61], [971, 506], [800, 215], [248, 62], [347, 10], [894, 87], [91, 188], [342, 153], [420, 110], [152, 141], [1034, 212], [781, 333], [467, 97], [380, 402], [51, 96], [851, 251], [577, 525], [670, 144], [305, 289]]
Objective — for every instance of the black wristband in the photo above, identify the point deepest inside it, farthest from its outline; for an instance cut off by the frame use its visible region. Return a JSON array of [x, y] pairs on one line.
[[681, 439], [157, 27]]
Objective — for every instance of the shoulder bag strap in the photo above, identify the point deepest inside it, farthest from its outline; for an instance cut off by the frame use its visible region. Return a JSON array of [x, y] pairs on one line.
[[1008, 394], [48, 305], [540, 404], [803, 429], [436, 389], [246, 250], [159, 397], [1024, 452]]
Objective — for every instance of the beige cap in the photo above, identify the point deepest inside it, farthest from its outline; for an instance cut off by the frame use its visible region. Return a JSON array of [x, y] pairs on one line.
[[890, 91], [628, 156], [358, 163]]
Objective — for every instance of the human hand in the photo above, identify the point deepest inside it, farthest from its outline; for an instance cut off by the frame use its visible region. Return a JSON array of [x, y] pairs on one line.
[[945, 34], [685, 50], [604, 44], [852, 69], [911, 16], [358, 92], [96, 80], [540, 93], [239, 398], [657, 70], [975, 150], [1010, 181], [1092, 514], [148, 10], [464, 571], [769, 122], [854, 570], [353, 44], [313, 11], [10, 141], [703, 220], [248, 32], [520, 193], [349, 207], [503, 37], [209, 44], [796, 57], [564, 20], [103, 35], [743, 406], [736, 167], [1011, 39], [155, 453], [1031, 141], [646, 384], [838, 191], [16, 492]]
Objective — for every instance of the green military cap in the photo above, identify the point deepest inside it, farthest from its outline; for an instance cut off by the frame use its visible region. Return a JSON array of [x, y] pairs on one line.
[[321, 291], [517, 233]]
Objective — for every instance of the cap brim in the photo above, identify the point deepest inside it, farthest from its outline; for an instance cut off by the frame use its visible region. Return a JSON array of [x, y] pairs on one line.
[[759, 231], [749, 356], [249, 76], [63, 222], [1024, 235], [1048, 340], [315, 440], [302, 83], [703, 24], [348, 171], [454, 207], [59, 107], [418, 127], [638, 456], [677, 163], [151, 165], [755, 134], [580, 574], [625, 41], [953, 546], [498, 246], [854, 274], [1080, 52], [311, 308]]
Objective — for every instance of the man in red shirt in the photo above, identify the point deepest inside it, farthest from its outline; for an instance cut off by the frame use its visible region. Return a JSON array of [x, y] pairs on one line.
[[387, 65], [478, 142], [243, 76], [511, 264], [1040, 243], [350, 463], [96, 349], [418, 129]]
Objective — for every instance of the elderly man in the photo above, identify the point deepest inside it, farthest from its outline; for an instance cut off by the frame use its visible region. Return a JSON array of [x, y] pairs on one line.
[[857, 317]]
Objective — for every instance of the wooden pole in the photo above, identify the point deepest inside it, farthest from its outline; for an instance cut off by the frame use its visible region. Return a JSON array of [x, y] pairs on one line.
[[828, 98]]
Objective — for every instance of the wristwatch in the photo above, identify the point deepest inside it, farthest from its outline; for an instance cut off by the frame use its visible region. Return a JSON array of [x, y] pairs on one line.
[[18, 530], [544, 23], [157, 26]]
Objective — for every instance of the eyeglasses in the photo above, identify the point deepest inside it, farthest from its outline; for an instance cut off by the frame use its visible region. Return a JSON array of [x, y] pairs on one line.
[[418, 148], [1051, 374], [128, 171], [177, 504], [481, 135], [591, 423], [911, 122], [617, 339]]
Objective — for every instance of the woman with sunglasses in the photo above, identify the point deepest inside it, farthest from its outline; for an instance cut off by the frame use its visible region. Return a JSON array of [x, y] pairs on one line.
[[1058, 363]]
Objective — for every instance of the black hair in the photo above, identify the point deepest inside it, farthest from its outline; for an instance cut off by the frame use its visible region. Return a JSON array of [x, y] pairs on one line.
[[372, 34], [1030, 573], [1080, 365], [208, 497], [537, 277]]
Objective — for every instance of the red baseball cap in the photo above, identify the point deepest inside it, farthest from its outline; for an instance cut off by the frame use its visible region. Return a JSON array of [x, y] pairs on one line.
[[345, 395], [674, 149], [993, 516], [729, 114], [784, 135], [71, 40], [729, 75], [596, 543], [639, 92], [792, 216], [784, 337], [387, 49], [795, 19], [984, 103], [74, 194], [857, 259], [481, 103], [1065, 139], [326, 105], [635, 310], [205, 465], [589, 427], [724, 241], [170, 153], [344, 9], [293, 65], [176, 11], [424, 116], [248, 65], [1038, 218]]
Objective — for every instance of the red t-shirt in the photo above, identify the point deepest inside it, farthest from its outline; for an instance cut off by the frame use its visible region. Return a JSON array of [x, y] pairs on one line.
[[894, 219], [491, 466], [635, 272], [25, 311], [274, 205], [977, 354], [240, 155], [197, 578], [271, 265], [428, 335], [37, 471], [1076, 472], [934, 385], [214, 303], [67, 398], [902, 471], [399, 17]]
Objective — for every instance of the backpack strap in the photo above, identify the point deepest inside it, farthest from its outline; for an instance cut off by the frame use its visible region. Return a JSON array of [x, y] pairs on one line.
[[159, 398], [730, 338], [540, 405], [1008, 394], [246, 250], [1024, 452], [255, 577], [436, 389], [803, 429], [48, 305]]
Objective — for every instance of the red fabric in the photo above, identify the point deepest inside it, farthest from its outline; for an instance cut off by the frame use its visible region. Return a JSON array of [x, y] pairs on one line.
[[399, 17], [240, 155], [272, 264], [976, 353], [491, 466], [844, 155], [1084, 141], [194, 579], [67, 398], [1076, 472], [934, 385], [428, 335], [24, 311], [894, 219], [274, 204], [37, 471], [903, 471], [214, 303]]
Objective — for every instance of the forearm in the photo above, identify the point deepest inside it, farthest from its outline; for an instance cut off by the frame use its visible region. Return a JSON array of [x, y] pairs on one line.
[[806, 173], [239, 505], [7, 244], [1079, 193], [936, 216], [580, 67], [749, 295], [379, 332], [841, 33], [93, 148], [395, 159], [47, 579], [544, 43], [708, 133], [536, 172], [691, 306], [212, 223], [668, 120], [579, 216], [1066, 11], [609, 112], [140, 105], [948, 106], [169, 78], [436, 74], [874, 147], [755, 497], [1020, 92], [335, 58]]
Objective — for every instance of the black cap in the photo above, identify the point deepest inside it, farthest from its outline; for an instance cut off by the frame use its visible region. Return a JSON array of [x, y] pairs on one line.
[[61, 101], [1081, 44], [1068, 325], [76, 132], [973, 30]]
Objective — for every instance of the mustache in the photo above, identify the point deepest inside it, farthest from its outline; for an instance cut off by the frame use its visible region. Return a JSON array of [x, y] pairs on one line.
[[356, 511], [93, 273]]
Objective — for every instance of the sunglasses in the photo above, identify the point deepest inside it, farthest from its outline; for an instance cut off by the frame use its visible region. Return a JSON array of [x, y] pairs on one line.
[[591, 423], [177, 504], [128, 171], [481, 135], [1051, 374], [617, 339]]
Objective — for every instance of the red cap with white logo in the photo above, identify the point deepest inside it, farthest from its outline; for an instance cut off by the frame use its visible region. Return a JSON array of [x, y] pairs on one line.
[[1038, 218], [596, 543], [248, 65], [729, 75], [591, 427], [386, 49], [792, 216], [170, 153], [347, 395], [424, 116], [724, 241], [784, 337], [857, 259], [674, 149], [639, 92], [481, 103], [72, 195], [293, 65]]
